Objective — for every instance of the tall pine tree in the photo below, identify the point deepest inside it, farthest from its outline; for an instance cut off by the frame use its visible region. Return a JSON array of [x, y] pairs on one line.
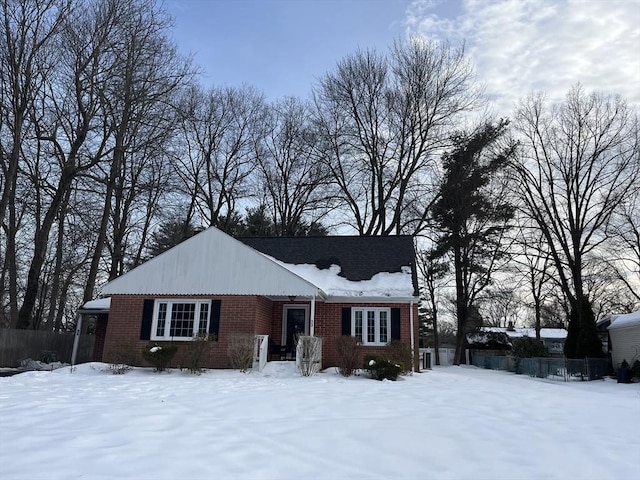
[[472, 214]]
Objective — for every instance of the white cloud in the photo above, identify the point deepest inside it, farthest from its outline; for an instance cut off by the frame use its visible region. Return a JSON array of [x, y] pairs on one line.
[[521, 46]]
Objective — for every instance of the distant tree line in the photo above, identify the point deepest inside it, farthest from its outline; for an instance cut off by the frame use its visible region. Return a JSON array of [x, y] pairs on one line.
[[112, 150]]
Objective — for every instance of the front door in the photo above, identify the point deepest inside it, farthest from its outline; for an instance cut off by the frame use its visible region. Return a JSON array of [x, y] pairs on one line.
[[296, 322]]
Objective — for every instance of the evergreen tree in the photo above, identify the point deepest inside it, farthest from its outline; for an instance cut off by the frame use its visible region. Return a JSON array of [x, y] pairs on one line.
[[169, 234], [472, 214]]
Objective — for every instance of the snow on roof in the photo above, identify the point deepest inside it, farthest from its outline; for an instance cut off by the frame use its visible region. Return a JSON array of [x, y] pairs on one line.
[[626, 320], [559, 333], [98, 304], [384, 284]]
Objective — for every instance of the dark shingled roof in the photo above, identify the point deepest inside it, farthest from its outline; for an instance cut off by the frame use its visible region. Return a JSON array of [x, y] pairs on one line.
[[360, 258]]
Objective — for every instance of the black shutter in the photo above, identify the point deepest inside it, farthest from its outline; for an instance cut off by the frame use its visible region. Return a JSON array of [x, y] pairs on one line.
[[214, 321], [147, 319], [346, 321], [395, 324]]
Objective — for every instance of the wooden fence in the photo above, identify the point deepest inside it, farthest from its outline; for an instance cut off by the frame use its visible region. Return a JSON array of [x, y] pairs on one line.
[[16, 345]]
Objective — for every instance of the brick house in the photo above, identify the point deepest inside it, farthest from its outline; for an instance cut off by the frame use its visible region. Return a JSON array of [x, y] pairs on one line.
[[280, 287]]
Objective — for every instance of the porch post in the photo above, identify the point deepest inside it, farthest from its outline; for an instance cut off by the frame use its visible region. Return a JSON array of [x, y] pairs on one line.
[[76, 340], [312, 320], [413, 353]]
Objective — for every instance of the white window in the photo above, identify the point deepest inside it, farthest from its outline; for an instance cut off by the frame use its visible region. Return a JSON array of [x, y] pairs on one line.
[[371, 325], [180, 319]]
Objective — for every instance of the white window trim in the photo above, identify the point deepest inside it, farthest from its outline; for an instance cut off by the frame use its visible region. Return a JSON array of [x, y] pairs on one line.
[[167, 327], [364, 338]]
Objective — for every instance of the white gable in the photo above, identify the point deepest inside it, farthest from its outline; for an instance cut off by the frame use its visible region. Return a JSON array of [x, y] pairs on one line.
[[626, 320], [211, 263]]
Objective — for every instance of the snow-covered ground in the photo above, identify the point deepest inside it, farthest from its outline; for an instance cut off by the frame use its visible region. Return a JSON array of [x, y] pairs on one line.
[[449, 423]]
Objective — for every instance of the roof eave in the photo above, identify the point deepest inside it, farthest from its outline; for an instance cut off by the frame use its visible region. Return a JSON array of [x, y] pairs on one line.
[[368, 299]]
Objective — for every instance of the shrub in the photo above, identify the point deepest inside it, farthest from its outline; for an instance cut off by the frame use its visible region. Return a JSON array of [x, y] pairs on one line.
[[347, 352], [123, 356], [197, 353], [381, 368], [527, 347], [159, 356], [400, 353], [635, 368], [240, 351], [308, 355]]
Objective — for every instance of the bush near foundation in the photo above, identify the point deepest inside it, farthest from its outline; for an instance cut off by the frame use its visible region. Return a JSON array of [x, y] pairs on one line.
[[400, 353], [123, 357], [240, 351], [347, 352], [196, 355], [381, 368], [159, 356]]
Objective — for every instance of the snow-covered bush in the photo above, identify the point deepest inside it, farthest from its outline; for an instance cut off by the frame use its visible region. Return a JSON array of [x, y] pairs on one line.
[[240, 351], [381, 368], [159, 356], [196, 353], [347, 352]]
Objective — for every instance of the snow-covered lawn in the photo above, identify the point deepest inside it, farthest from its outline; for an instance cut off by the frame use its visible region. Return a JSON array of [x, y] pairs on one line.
[[449, 423]]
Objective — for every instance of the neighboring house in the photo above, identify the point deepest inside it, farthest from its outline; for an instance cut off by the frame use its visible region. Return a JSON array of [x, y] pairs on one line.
[[280, 287], [624, 332], [500, 338]]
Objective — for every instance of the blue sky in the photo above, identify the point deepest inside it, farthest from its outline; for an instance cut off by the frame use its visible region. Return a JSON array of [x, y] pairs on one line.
[[282, 46], [518, 46]]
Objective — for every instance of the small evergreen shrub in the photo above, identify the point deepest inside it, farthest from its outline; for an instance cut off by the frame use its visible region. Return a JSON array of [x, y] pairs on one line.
[[159, 356], [635, 368], [527, 347], [197, 353], [381, 368], [240, 351], [347, 352], [400, 353]]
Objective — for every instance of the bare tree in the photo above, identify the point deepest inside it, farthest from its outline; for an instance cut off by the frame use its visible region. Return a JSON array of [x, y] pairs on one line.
[[219, 128], [67, 127], [500, 304], [144, 71], [531, 262], [579, 163], [293, 181], [433, 278], [27, 31], [624, 257], [382, 120], [28, 35]]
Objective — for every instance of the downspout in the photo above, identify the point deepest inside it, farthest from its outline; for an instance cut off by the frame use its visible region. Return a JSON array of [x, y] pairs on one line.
[[413, 357], [312, 320], [76, 340]]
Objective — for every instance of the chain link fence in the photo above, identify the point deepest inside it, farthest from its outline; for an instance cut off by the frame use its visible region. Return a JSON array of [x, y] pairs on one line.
[[562, 369]]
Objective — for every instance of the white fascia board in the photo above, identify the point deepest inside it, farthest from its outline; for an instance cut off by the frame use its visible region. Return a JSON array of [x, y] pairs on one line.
[[350, 299], [211, 263]]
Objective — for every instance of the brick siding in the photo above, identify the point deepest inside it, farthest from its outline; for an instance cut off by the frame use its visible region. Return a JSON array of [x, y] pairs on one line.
[[243, 314]]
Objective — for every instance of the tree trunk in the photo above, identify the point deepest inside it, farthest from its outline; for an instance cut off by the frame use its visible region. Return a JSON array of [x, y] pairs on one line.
[[461, 308], [41, 241], [57, 272]]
